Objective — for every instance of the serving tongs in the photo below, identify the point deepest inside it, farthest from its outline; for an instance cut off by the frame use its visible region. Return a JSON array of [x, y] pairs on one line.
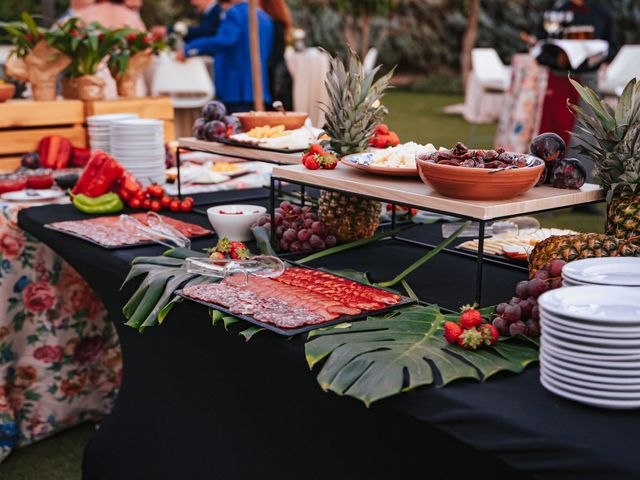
[[237, 271], [530, 162], [155, 229]]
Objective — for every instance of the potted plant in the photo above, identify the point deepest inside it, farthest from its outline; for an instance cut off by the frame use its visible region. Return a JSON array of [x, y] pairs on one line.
[[36, 57], [129, 59], [88, 47]]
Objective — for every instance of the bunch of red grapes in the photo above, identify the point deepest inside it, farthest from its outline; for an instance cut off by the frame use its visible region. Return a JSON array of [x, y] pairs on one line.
[[297, 229], [521, 314]]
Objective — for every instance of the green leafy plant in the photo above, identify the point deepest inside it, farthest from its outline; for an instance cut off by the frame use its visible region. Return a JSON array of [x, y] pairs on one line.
[[387, 355], [23, 35], [128, 45]]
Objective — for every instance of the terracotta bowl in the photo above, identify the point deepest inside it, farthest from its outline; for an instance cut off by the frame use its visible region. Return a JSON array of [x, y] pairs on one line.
[[290, 120], [478, 183], [7, 91]]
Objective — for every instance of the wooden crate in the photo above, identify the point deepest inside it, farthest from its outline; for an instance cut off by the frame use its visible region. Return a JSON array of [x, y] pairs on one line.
[[147, 107], [24, 122]]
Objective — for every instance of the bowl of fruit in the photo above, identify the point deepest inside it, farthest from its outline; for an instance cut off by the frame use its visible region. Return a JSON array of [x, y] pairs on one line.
[[479, 174], [290, 120], [234, 221]]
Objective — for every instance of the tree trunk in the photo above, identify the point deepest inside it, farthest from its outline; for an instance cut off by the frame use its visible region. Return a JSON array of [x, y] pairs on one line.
[[366, 33], [469, 40], [256, 66]]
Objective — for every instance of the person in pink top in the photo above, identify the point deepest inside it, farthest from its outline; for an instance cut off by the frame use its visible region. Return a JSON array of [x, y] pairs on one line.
[[111, 14]]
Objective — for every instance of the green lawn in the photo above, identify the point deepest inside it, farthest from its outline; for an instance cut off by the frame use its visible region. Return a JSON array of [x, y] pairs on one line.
[[414, 116], [419, 117]]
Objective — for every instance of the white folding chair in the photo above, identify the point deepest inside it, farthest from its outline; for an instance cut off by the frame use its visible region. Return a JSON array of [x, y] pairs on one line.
[[370, 58], [624, 67]]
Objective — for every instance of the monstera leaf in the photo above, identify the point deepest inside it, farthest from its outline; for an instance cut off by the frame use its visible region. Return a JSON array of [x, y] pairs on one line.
[[154, 298], [384, 356]]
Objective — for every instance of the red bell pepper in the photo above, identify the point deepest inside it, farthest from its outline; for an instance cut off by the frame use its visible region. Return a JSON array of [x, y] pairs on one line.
[[79, 156], [54, 151], [99, 176]]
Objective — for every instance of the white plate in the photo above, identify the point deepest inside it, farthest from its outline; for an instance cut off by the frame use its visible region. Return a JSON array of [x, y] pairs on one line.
[[32, 195], [629, 374], [589, 390], [587, 383], [620, 271], [556, 388], [106, 119], [584, 359], [561, 369], [562, 350], [630, 353], [622, 326], [591, 329], [600, 303], [571, 335]]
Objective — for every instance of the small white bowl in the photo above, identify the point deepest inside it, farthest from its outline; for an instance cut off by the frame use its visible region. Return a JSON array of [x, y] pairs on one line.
[[233, 225]]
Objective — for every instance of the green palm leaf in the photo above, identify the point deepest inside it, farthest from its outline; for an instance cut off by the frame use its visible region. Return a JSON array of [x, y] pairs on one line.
[[384, 356]]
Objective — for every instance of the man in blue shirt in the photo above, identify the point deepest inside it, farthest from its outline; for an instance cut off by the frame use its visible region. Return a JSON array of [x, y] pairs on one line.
[[211, 11], [230, 48]]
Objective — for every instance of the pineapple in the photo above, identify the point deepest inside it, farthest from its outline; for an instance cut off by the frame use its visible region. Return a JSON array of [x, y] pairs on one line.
[[576, 247], [353, 111], [616, 156]]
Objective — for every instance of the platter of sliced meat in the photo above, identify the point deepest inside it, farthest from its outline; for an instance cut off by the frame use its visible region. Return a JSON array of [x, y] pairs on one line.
[[299, 300], [109, 233]]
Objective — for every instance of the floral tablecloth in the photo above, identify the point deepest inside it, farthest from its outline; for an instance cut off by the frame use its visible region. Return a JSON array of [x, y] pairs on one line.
[[60, 360]]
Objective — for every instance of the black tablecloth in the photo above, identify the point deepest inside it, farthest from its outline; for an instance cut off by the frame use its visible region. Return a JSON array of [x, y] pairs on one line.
[[199, 402]]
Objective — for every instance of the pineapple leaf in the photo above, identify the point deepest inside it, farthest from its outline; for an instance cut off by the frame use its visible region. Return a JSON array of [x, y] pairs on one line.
[[590, 97]]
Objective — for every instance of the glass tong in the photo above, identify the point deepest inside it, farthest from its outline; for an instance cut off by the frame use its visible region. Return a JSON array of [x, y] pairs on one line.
[[238, 271], [156, 230]]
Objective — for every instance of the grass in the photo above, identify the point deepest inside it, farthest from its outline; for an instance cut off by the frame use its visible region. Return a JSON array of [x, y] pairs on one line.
[[56, 458], [414, 116]]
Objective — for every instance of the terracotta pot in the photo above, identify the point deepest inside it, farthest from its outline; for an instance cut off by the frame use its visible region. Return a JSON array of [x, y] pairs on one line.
[[136, 66], [478, 183], [69, 88], [290, 120], [7, 91], [90, 87]]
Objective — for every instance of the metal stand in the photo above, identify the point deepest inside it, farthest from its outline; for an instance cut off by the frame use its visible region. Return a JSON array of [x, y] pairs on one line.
[[480, 257]]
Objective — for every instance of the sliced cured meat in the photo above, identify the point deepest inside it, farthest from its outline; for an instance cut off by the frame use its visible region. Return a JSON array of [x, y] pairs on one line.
[[245, 302], [340, 289], [321, 304], [108, 232]]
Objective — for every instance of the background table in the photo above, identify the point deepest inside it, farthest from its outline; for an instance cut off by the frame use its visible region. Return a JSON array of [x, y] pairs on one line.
[[198, 402], [60, 359]]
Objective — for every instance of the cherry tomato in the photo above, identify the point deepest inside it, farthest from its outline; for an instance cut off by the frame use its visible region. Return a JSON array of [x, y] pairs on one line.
[[124, 195], [166, 201], [135, 203], [175, 205], [146, 204], [186, 206], [156, 206], [140, 194], [155, 190]]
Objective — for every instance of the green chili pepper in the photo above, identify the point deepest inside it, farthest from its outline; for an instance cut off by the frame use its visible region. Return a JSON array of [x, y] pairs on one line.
[[107, 203]]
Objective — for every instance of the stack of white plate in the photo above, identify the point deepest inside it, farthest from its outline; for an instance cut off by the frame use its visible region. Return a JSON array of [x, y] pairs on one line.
[[617, 271], [138, 145], [590, 345], [100, 129]]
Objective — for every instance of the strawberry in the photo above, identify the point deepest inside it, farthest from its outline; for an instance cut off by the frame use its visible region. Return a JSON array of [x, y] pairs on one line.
[[316, 149], [470, 318], [394, 139], [312, 162], [382, 129], [470, 339], [223, 245], [327, 161], [240, 253], [382, 141], [451, 332], [489, 333], [215, 254]]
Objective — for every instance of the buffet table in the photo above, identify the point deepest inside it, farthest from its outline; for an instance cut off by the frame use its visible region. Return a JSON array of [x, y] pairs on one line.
[[200, 402]]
